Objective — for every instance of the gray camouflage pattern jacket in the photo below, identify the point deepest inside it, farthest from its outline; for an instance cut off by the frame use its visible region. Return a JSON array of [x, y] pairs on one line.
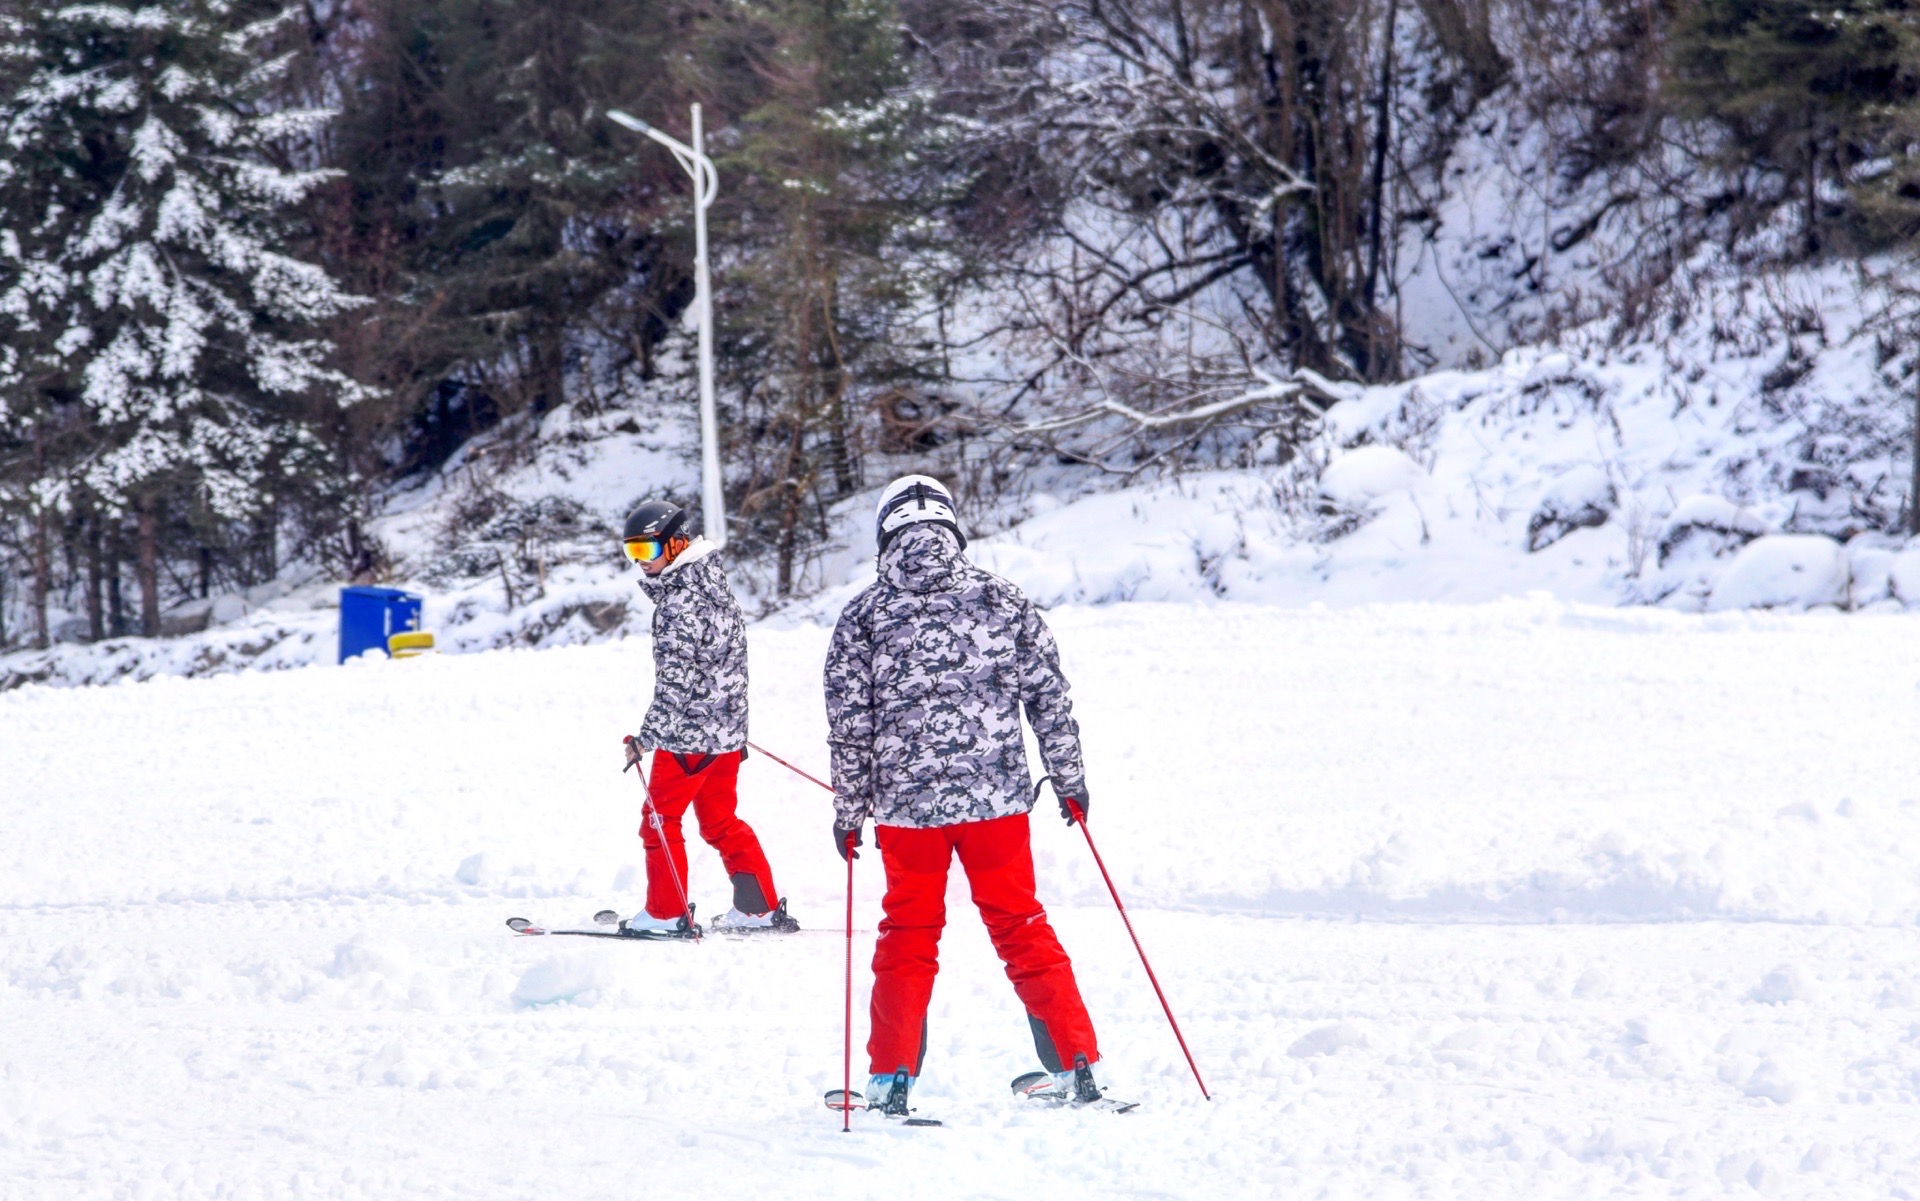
[[927, 674], [699, 657]]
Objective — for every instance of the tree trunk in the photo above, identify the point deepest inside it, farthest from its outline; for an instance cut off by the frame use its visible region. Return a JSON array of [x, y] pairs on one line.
[[1382, 122], [206, 571], [1913, 490], [790, 509], [1810, 235], [42, 581], [1464, 29], [549, 385], [116, 605], [147, 567], [833, 369], [96, 615], [42, 560]]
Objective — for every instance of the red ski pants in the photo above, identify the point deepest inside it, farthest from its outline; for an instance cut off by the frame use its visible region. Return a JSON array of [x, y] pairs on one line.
[[997, 856], [712, 792]]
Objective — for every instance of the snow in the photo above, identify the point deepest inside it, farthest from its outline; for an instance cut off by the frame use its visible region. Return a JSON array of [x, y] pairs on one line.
[[1520, 899]]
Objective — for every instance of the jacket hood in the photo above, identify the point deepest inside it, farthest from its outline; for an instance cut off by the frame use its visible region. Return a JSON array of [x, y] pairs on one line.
[[922, 558]]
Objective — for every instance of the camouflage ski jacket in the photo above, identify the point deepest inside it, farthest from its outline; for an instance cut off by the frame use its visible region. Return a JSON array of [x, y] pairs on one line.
[[927, 674], [699, 657]]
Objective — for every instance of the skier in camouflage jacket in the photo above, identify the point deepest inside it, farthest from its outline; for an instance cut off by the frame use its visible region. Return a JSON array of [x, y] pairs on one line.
[[927, 675], [696, 727], [699, 657]]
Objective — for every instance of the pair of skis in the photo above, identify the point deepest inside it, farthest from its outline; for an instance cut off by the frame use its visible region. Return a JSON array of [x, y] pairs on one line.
[[1038, 1087], [690, 931]]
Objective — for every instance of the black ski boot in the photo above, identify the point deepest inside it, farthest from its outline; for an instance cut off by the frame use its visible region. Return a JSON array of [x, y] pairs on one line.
[[895, 1104], [1085, 1091]]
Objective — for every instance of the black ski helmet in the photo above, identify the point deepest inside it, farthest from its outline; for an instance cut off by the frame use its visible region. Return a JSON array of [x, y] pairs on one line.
[[660, 519]]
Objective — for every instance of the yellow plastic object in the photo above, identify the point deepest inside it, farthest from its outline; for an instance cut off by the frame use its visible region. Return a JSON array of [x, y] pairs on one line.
[[409, 643]]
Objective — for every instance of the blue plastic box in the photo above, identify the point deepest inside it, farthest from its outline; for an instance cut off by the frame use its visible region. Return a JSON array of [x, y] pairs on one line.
[[368, 615]]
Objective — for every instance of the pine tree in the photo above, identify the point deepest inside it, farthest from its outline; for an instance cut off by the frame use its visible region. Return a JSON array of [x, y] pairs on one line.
[[829, 219], [533, 194], [183, 332], [1804, 91], [51, 174]]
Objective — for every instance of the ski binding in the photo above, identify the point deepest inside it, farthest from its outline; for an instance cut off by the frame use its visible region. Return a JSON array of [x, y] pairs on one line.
[[837, 1102], [1044, 1088]]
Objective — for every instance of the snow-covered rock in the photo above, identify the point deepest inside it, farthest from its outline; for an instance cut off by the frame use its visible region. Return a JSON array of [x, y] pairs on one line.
[[1363, 475], [1903, 576], [1785, 571], [1712, 522], [1580, 498]]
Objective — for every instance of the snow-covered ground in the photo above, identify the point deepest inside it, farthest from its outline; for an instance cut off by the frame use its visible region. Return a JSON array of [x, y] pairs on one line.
[[1524, 899]]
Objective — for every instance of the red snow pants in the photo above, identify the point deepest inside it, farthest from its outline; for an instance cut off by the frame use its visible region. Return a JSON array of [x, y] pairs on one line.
[[997, 856], [712, 792]]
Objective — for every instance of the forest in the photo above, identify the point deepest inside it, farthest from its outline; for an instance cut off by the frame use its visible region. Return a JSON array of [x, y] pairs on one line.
[[262, 265]]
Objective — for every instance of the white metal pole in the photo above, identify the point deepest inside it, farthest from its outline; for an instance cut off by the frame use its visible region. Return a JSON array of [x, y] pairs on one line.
[[706, 185], [712, 500]]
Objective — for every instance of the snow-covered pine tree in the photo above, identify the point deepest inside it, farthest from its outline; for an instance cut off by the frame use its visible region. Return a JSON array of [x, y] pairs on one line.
[[187, 336], [42, 179]]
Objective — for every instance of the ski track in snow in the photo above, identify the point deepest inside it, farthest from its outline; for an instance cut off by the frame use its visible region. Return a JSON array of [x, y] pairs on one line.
[[1523, 899]]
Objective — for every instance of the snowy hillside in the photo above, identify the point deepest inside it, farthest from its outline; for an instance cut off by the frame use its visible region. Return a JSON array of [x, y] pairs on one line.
[[1525, 900], [1745, 459]]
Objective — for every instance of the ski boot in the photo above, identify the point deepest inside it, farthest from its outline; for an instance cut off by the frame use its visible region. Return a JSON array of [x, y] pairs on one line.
[[645, 925], [774, 921], [1080, 1086]]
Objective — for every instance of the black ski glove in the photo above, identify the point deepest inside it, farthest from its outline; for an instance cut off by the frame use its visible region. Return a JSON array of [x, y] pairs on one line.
[[845, 838], [1069, 803], [636, 752]]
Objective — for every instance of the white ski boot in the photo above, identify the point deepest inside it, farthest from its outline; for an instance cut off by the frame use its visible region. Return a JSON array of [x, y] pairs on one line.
[[1084, 1084], [774, 921], [645, 925]]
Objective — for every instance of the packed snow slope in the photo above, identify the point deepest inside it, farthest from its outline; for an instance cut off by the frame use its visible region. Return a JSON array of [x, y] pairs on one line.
[[1522, 900]]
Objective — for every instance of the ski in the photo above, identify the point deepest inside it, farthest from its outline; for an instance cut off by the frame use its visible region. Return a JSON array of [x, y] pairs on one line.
[[524, 927], [836, 1104], [1043, 1089], [783, 924]]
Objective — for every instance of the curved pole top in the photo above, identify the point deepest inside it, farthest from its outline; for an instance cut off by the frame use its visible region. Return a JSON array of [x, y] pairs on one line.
[[699, 166]]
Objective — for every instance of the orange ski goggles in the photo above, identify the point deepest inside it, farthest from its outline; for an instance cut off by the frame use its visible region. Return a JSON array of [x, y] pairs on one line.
[[644, 550]]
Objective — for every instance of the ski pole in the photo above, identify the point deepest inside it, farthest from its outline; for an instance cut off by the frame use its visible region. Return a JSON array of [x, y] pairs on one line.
[[846, 1054], [847, 1019], [652, 818], [1080, 819], [790, 767]]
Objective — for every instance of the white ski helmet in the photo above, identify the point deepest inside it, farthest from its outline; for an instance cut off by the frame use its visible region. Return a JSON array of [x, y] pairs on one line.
[[910, 500]]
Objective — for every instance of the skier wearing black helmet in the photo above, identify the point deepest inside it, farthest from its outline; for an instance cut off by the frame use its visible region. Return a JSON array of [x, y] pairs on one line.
[[696, 728]]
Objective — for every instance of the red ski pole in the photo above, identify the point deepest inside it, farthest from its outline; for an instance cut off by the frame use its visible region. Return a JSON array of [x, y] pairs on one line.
[[790, 767], [846, 1058], [1080, 819], [846, 1055]]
